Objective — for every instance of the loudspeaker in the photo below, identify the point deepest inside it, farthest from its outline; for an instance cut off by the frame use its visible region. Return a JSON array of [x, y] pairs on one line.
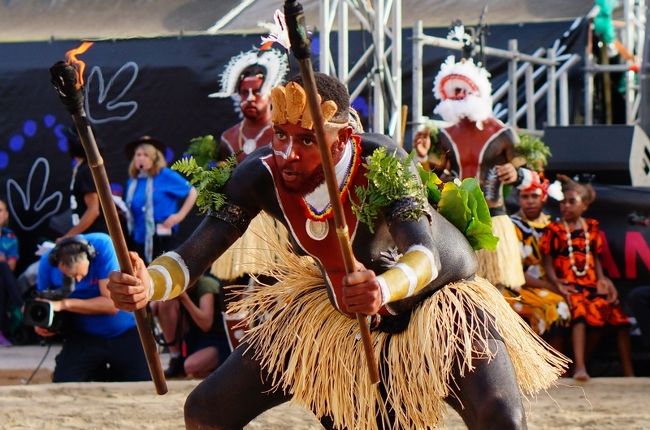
[[84, 246], [612, 154]]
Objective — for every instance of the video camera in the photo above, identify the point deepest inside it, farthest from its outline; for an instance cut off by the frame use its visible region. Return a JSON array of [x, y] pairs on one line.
[[39, 313]]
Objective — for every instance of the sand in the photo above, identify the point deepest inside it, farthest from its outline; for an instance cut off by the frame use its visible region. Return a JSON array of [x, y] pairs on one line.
[[602, 403]]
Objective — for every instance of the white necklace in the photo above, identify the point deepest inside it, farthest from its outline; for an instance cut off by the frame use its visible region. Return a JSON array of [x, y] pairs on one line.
[[584, 270], [249, 145]]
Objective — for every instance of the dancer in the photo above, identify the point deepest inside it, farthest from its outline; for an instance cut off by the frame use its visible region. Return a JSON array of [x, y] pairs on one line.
[[248, 79], [441, 333], [476, 144]]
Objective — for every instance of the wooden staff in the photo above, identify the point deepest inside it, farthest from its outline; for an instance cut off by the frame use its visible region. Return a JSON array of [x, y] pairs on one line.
[[65, 80], [405, 112], [300, 46]]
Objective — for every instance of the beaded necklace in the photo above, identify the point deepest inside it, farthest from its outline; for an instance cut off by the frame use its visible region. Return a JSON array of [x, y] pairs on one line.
[[577, 272]]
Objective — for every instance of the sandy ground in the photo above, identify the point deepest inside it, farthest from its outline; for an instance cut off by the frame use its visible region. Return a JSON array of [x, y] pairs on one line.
[[602, 403]]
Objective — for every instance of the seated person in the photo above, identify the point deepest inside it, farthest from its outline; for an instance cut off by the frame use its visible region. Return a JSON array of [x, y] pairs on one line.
[[100, 342], [192, 330], [10, 297]]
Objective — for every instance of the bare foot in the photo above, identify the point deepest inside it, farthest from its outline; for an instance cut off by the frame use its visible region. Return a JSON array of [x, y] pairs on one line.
[[581, 375]]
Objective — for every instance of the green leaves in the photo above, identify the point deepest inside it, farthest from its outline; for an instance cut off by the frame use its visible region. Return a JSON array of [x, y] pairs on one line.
[[208, 181], [463, 204], [534, 151], [389, 179], [203, 149]]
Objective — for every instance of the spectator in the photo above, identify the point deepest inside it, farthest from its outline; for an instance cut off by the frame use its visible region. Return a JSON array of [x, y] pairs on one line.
[[193, 330], [571, 248], [538, 302], [9, 292], [152, 197], [100, 342]]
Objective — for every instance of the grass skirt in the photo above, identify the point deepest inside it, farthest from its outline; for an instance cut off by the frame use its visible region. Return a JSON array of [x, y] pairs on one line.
[[314, 352], [502, 267], [254, 251]]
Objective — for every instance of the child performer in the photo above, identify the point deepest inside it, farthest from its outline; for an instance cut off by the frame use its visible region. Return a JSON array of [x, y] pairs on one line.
[[571, 248]]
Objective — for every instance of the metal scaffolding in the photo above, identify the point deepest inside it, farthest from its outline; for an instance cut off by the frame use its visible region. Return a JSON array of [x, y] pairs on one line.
[[381, 19], [555, 64]]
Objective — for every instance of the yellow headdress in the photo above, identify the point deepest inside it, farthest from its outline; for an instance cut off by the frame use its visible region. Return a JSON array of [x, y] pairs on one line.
[[289, 104]]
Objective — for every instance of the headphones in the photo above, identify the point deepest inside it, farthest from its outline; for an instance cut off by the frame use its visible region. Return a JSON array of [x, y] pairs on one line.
[[55, 255]]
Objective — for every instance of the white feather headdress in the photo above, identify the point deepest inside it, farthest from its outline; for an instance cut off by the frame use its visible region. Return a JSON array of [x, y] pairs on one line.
[[274, 61]]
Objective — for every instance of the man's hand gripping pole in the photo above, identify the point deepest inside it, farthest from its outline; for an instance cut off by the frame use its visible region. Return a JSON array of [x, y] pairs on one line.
[[300, 46]]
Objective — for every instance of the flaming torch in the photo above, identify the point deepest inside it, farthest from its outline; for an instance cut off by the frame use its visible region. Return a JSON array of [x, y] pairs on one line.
[[67, 78]]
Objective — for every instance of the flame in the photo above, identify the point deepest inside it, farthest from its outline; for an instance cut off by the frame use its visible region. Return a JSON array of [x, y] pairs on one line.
[[71, 58]]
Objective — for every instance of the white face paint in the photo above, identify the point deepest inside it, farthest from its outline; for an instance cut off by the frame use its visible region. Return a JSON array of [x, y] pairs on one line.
[[285, 154], [251, 95]]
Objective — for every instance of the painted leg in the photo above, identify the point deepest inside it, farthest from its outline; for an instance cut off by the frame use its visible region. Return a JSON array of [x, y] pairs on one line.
[[232, 395], [488, 397]]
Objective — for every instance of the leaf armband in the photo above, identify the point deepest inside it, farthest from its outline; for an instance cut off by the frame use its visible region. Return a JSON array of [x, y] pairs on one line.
[[464, 205], [392, 187]]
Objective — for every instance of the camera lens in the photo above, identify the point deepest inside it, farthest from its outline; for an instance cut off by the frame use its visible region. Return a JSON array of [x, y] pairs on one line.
[[38, 312]]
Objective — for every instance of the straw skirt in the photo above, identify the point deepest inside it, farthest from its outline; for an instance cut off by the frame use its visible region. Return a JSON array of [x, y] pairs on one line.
[[313, 352], [254, 251], [502, 267]]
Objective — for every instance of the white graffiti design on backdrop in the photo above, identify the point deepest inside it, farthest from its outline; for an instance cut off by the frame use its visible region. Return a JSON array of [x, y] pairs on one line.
[[36, 208], [111, 107]]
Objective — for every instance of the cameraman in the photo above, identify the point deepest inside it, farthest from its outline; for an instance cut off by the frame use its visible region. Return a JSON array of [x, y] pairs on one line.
[[100, 342]]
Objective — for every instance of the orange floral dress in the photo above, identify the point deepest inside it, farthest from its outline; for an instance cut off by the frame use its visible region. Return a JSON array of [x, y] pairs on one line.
[[586, 304]]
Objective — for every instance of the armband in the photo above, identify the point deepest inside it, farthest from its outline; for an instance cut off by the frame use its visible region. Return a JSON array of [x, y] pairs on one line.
[[233, 215], [169, 276], [412, 272]]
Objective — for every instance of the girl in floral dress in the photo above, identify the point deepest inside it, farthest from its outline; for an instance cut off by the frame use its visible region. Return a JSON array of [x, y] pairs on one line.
[[571, 248]]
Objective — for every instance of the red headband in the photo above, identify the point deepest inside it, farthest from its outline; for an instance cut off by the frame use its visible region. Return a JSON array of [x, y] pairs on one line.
[[538, 186]]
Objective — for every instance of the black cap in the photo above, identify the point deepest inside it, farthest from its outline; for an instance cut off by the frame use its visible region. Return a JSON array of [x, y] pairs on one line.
[[129, 149]]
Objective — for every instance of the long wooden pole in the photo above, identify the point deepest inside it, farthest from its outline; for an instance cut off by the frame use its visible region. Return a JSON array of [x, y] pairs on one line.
[[300, 46], [64, 78]]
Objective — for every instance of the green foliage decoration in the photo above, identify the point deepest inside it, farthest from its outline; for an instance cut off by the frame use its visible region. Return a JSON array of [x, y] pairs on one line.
[[203, 149], [534, 151], [389, 180], [464, 205], [209, 182]]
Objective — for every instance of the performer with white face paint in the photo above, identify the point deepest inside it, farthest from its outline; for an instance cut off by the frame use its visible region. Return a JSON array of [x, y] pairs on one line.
[[477, 144], [440, 333], [248, 79]]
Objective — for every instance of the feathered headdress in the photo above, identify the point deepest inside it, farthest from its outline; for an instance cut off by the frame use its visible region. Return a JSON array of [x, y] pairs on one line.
[[464, 90], [273, 61]]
